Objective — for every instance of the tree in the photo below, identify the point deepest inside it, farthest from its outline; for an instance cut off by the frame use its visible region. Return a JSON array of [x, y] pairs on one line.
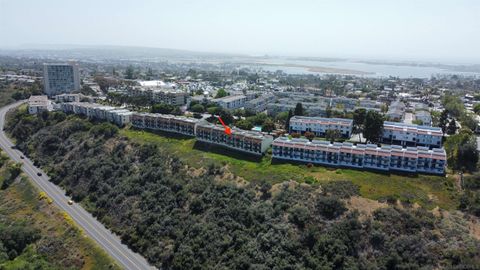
[[162, 108], [198, 108], [268, 125], [221, 93], [359, 120], [213, 110], [287, 122], [239, 113], [373, 126], [244, 124], [330, 207], [296, 135], [452, 127], [299, 109], [443, 121], [309, 135], [176, 111], [468, 121], [129, 73], [453, 105], [332, 135], [281, 117], [226, 116], [476, 108], [462, 150]]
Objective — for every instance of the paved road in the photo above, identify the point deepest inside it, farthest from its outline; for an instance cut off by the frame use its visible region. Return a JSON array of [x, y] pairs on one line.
[[93, 228]]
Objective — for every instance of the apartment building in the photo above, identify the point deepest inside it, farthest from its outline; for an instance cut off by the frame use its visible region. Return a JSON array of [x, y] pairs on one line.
[[114, 115], [320, 125], [161, 95], [411, 135], [61, 78], [396, 111], [259, 104], [231, 102], [250, 142], [38, 104], [68, 98], [164, 122], [424, 117], [385, 158]]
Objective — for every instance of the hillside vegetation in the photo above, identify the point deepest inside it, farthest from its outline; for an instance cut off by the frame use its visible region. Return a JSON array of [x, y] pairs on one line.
[[206, 217], [34, 234]]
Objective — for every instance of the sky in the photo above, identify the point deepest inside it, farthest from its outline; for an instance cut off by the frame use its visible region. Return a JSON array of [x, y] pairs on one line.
[[370, 29]]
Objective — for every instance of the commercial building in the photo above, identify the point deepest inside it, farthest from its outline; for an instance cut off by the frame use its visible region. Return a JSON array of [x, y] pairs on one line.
[[411, 135], [250, 142], [38, 104], [177, 124], [231, 102], [61, 78], [320, 125], [385, 158]]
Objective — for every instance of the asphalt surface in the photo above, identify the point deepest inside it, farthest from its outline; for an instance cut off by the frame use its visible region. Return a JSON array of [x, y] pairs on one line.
[[110, 242]]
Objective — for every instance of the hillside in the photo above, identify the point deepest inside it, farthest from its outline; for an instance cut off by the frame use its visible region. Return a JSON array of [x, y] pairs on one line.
[[34, 234], [181, 216]]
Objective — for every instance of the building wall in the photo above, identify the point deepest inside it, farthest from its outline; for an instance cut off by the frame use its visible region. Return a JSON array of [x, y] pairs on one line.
[[413, 135], [319, 126], [61, 78], [396, 158], [249, 142]]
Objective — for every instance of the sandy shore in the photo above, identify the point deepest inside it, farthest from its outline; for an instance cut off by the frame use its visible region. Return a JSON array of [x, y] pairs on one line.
[[322, 69]]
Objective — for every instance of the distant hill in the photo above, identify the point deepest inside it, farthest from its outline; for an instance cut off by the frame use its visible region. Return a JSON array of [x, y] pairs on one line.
[[110, 52]]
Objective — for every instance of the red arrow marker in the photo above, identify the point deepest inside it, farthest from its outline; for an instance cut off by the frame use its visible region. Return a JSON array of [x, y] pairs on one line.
[[228, 131]]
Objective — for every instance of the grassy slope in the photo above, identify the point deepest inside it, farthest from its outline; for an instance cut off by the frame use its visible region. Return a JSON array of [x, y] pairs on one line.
[[22, 202], [426, 190]]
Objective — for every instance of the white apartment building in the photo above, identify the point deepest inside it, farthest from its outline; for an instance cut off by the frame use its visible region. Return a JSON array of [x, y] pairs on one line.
[[320, 125], [38, 104], [61, 78], [251, 142], [259, 104], [231, 102], [114, 115], [161, 95], [385, 158], [413, 135], [68, 98], [165, 122], [424, 117]]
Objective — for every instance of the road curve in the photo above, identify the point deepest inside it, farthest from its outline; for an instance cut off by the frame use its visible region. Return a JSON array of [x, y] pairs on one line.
[[91, 226]]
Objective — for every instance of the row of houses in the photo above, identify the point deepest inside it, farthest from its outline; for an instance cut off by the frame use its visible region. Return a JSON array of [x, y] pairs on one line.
[[384, 158]]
